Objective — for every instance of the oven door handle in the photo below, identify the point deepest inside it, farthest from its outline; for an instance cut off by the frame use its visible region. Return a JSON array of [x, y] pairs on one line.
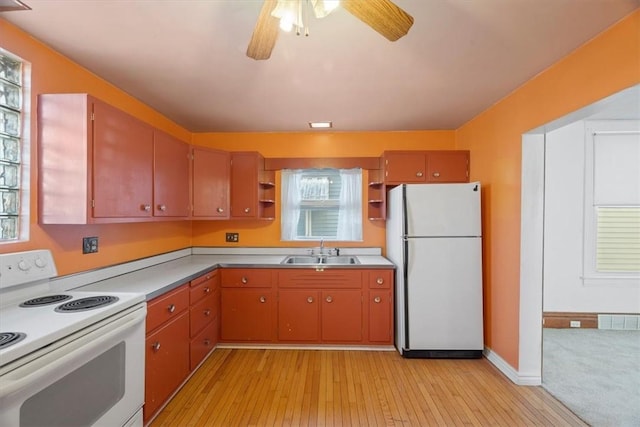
[[31, 372]]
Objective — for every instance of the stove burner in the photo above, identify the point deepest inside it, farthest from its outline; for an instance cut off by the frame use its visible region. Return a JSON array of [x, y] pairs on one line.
[[10, 338], [46, 300], [87, 303]]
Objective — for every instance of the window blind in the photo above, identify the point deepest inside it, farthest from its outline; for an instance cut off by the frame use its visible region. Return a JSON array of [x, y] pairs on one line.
[[618, 239]]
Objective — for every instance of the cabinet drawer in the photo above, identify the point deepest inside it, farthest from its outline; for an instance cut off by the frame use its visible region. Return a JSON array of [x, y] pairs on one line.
[[380, 279], [202, 287], [246, 278], [203, 343], [329, 278], [167, 306], [203, 313]]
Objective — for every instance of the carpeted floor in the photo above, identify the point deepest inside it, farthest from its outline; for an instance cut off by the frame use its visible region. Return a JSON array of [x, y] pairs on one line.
[[595, 373]]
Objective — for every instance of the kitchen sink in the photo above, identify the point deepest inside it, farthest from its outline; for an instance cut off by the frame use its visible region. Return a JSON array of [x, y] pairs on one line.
[[321, 259]]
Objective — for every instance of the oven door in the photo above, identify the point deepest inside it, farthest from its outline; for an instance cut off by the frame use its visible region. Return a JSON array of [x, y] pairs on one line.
[[95, 379]]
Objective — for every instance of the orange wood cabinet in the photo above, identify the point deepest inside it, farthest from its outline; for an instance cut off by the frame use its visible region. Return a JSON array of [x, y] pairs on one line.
[[426, 166], [333, 306], [167, 348], [97, 164], [252, 188], [379, 306], [247, 305], [171, 160], [210, 176], [204, 318]]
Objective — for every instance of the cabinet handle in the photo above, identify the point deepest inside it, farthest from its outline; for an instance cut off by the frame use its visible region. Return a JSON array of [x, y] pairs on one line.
[[145, 208], [207, 342], [162, 208], [436, 174], [220, 210], [263, 299], [329, 299], [247, 210], [171, 308], [208, 276], [379, 280], [419, 174], [309, 300], [244, 280], [207, 312], [377, 300], [156, 346], [207, 290]]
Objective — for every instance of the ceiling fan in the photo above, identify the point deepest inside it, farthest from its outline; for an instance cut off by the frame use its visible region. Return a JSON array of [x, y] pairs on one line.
[[381, 15]]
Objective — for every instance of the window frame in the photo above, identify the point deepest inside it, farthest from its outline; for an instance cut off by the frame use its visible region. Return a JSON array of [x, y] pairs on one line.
[[24, 138], [591, 275], [307, 205]]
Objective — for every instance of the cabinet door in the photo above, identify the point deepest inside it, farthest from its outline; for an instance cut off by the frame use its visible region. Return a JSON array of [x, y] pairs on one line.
[[244, 184], [246, 314], [448, 166], [342, 315], [166, 362], [210, 183], [404, 167], [203, 343], [122, 164], [299, 315], [380, 316], [170, 176]]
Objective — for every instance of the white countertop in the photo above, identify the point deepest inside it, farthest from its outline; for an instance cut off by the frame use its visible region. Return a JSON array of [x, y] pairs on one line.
[[162, 277]]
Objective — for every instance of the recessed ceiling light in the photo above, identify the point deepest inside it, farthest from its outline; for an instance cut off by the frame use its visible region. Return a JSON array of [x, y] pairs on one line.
[[320, 125]]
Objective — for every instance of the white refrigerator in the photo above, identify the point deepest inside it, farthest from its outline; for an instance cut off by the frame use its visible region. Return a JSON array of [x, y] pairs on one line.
[[434, 238]]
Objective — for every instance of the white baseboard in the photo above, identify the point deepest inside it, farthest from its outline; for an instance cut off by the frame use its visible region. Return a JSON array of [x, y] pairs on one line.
[[515, 376]]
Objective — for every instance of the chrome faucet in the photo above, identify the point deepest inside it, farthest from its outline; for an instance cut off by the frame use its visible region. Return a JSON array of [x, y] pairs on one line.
[[321, 246]]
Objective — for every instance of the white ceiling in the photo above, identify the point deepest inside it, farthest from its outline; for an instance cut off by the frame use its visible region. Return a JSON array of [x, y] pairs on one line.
[[186, 59]]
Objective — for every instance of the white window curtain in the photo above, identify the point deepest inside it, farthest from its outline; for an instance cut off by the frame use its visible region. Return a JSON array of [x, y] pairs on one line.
[[350, 214], [290, 208]]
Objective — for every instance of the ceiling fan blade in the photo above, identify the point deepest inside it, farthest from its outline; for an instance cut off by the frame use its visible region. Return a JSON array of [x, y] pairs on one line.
[[265, 33], [381, 15]]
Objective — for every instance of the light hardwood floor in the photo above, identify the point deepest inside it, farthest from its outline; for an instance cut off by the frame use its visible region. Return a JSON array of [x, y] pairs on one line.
[[249, 387]]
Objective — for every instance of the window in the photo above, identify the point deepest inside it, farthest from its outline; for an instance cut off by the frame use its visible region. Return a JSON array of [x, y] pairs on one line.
[[11, 144], [612, 201], [322, 204]]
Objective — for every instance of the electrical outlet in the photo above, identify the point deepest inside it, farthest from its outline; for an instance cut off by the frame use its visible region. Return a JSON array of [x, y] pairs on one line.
[[89, 245], [233, 237], [574, 323]]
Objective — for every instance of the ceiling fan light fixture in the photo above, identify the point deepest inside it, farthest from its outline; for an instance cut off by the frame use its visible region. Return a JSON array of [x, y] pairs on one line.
[[321, 125], [295, 13]]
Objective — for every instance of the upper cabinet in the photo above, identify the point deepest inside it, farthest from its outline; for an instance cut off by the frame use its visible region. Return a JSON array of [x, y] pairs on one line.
[[210, 183], [410, 167], [98, 164], [171, 160], [252, 188]]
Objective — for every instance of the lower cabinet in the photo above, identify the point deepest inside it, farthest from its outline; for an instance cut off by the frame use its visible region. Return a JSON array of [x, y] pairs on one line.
[[342, 315], [167, 348], [299, 315], [182, 329], [247, 314], [247, 305]]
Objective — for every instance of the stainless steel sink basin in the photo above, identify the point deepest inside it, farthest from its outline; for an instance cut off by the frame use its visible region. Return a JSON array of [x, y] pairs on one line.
[[321, 259], [302, 259], [340, 259]]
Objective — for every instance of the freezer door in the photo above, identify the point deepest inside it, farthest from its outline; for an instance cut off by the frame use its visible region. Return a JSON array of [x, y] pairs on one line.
[[443, 209], [444, 294]]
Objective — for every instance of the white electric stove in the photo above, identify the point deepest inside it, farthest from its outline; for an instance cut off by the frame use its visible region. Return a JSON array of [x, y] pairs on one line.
[[52, 343]]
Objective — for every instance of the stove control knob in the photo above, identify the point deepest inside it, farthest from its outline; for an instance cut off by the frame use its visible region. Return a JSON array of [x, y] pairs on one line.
[[40, 263], [23, 265]]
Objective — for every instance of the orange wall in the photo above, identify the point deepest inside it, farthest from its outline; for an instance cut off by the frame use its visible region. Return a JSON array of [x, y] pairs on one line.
[[308, 144], [605, 65], [53, 73]]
